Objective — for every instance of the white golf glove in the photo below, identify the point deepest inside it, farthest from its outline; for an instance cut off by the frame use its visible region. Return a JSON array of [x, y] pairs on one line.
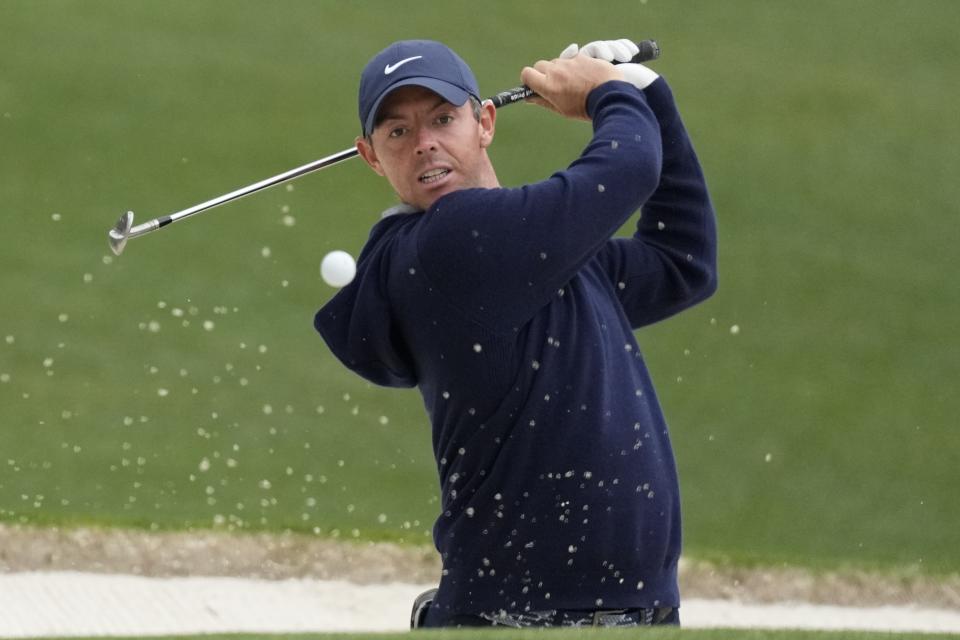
[[616, 51]]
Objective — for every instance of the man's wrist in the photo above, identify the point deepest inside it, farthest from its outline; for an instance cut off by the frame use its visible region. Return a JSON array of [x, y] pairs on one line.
[[601, 90]]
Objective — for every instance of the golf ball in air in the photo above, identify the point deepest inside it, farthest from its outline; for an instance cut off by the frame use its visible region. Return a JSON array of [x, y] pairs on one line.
[[338, 268]]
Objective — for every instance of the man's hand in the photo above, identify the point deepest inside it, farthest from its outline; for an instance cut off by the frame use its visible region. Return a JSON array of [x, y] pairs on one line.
[[563, 85], [621, 50]]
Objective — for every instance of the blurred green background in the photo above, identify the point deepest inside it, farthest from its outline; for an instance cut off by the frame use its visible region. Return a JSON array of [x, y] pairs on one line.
[[181, 385]]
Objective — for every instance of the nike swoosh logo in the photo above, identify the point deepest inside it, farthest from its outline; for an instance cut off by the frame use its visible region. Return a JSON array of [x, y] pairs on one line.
[[390, 68]]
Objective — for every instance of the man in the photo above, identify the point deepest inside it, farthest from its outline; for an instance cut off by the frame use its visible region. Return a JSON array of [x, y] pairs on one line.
[[512, 310]]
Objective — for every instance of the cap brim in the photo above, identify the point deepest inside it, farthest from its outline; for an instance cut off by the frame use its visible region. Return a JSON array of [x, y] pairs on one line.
[[449, 92]]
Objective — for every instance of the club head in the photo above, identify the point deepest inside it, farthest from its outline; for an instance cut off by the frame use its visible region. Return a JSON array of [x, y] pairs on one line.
[[120, 232]]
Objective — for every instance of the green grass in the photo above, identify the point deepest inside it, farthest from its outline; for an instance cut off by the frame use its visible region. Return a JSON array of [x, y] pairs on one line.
[[822, 434], [586, 634]]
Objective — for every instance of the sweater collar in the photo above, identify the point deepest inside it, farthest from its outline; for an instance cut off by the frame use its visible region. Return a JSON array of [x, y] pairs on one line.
[[397, 209]]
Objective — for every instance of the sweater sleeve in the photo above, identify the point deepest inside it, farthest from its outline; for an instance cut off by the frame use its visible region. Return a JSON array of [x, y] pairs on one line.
[[670, 263], [499, 255]]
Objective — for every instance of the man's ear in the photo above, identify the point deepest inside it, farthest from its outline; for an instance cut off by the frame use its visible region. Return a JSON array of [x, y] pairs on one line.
[[488, 121], [369, 154]]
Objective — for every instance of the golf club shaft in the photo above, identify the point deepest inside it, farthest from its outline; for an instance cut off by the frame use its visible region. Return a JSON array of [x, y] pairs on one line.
[[156, 223], [649, 50]]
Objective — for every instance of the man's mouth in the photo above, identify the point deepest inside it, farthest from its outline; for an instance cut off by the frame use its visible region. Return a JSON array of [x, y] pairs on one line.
[[434, 175]]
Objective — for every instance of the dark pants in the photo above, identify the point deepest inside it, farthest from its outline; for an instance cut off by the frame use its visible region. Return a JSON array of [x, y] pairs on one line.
[[667, 616]]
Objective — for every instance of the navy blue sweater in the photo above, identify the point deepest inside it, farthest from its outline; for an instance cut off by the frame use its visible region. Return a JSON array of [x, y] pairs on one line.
[[512, 311]]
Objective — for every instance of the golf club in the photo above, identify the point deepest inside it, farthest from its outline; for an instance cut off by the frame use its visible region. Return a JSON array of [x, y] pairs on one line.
[[124, 230]]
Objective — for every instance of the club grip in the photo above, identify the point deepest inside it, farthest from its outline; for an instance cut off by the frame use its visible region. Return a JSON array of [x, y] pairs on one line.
[[649, 50]]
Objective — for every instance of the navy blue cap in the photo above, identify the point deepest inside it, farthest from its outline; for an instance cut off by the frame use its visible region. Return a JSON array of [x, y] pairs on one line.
[[423, 63]]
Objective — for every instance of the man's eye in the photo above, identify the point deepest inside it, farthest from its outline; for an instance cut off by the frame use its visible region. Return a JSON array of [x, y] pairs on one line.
[[445, 119], [397, 132]]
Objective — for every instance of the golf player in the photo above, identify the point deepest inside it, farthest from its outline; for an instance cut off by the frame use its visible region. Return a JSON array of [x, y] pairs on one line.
[[512, 310]]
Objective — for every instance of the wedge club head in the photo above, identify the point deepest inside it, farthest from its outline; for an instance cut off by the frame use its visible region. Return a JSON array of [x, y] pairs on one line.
[[120, 233]]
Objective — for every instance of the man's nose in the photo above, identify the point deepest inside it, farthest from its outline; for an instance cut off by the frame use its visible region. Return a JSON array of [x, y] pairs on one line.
[[426, 141]]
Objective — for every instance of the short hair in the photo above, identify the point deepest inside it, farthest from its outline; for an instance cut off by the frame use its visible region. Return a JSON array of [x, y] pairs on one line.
[[477, 107]]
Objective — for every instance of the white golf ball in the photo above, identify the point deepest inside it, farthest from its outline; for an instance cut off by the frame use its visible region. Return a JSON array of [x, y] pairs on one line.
[[338, 268]]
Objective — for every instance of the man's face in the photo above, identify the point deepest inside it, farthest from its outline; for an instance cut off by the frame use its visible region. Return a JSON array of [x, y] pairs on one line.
[[427, 147]]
